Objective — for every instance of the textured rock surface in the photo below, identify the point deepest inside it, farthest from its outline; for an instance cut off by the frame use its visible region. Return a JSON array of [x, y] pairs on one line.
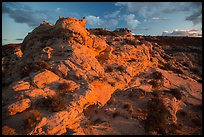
[[105, 79], [19, 106], [21, 85], [44, 78]]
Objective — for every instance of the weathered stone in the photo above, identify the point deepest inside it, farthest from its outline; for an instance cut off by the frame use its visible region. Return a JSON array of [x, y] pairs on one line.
[[21, 85], [19, 106], [35, 93], [44, 78]]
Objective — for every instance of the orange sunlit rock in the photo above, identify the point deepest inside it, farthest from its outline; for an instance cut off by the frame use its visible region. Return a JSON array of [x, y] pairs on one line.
[[95, 81]]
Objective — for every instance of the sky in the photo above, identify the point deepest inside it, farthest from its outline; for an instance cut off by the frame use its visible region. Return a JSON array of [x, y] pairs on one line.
[[145, 18]]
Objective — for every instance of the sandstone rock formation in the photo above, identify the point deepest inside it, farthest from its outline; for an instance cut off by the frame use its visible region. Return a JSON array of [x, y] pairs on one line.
[[78, 79]]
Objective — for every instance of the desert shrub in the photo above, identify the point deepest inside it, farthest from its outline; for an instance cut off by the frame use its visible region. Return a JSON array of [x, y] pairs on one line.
[[185, 64], [98, 121], [119, 113], [197, 121], [42, 65], [115, 114], [8, 131], [117, 39], [154, 83], [166, 57], [45, 38], [140, 114], [55, 103], [129, 41], [128, 107], [140, 93], [58, 73], [176, 92], [69, 132], [109, 69], [64, 88], [91, 108], [176, 70], [113, 34], [140, 43], [120, 68], [194, 70], [168, 66], [32, 118], [157, 75], [182, 112], [25, 70], [130, 94], [156, 118], [155, 93]]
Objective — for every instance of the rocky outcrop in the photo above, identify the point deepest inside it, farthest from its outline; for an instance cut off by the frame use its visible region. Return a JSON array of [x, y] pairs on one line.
[[69, 67]]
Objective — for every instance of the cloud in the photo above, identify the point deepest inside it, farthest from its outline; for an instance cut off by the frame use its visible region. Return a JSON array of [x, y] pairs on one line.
[[131, 21], [143, 28], [24, 14], [19, 39], [195, 17], [58, 9], [112, 15], [189, 33], [113, 22], [144, 9], [94, 21], [158, 18], [150, 9]]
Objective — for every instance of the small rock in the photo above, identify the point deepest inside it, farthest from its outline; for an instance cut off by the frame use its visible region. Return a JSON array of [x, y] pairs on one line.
[[36, 93], [21, 85]]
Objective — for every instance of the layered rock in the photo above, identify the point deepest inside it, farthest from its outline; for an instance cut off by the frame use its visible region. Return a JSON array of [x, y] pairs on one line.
[[68, 61]]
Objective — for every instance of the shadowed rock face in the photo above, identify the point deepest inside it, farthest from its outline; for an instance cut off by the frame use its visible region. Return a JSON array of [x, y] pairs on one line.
[[62, 70]]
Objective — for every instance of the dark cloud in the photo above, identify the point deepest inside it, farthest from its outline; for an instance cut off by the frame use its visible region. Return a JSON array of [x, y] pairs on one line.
[[25, 14], [195, 17], [19, 39], [189, 33]]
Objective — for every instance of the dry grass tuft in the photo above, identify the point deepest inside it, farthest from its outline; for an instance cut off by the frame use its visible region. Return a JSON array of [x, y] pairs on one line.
[[55, 103], [8, 131], [109, 69], [32, 118], [64, 88], [156, 118]]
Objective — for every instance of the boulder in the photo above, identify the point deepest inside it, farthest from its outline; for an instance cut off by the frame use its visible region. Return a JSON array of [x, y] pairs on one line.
[[19, 106], [43, 78]]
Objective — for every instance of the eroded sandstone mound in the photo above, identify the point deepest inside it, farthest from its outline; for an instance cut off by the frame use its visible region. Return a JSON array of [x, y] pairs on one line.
[[60, 71]]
